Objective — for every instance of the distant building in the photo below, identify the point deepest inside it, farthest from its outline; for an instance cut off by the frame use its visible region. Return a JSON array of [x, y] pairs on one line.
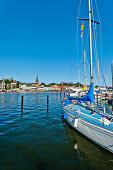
[[6, 79], [58, 87], [10, 85], [29, 87], [47, 88], [37, 81], [2, 85], [55, 87], [63, 83], [13, 85], [70, 83]]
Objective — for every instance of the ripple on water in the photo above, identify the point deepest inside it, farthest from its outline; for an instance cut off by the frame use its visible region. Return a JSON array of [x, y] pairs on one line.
[[37, 139]]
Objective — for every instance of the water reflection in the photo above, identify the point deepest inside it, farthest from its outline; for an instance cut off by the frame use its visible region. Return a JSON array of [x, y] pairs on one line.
[[93, 154], [21, 114]]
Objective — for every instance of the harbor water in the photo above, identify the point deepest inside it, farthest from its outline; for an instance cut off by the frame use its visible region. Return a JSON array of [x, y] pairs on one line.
[[39, 140]]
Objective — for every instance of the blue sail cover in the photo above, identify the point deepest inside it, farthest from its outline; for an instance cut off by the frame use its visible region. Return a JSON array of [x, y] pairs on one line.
[[88, 97], [97, 91]]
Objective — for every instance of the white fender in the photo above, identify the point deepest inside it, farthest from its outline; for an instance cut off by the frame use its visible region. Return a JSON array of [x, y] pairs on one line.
[[104, 120], [75, 122]]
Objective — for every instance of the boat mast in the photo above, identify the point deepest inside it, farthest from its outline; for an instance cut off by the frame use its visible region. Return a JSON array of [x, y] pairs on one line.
[[98, 75], [79, 77], [112, 84], [112, 78], [90, 38], [85, 77]]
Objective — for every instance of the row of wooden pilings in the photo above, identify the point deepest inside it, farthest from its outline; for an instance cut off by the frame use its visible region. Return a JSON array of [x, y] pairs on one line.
[[22, 99]]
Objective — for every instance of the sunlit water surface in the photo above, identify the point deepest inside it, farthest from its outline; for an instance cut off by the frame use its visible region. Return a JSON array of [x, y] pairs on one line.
[[37, 140]]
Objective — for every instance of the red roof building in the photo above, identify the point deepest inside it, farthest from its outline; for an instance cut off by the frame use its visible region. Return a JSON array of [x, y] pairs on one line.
[[57, 87], [6, 79]]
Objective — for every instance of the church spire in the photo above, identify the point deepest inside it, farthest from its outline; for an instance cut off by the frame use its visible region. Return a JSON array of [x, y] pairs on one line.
[[37, 81]]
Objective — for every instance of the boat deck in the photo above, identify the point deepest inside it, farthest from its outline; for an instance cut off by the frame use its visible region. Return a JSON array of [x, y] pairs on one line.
[[87, 114]]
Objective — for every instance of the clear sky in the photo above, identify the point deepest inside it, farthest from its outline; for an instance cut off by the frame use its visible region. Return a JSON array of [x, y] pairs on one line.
[[39, 37]]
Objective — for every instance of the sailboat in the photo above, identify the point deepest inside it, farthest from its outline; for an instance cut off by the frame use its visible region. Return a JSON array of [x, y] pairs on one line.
[[82, 114]]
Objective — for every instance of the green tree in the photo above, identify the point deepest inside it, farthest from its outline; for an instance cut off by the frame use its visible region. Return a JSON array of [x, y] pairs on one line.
[[43, 84], [78, 84], [49, 85], [7, 82], [17, 84]]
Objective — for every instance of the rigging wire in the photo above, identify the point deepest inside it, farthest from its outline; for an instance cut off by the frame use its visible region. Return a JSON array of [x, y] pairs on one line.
[[100, 38], [77, 28], [94, 42], [103, 76], [79, 9], [76, 38], [95, 38], [73, 57], [5, 75]]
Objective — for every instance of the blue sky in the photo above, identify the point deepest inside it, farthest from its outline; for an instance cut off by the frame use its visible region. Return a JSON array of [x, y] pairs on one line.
[[39, 37]]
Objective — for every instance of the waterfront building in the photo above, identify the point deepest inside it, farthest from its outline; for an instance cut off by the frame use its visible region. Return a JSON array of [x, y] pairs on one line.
[[13, 84], [58, 87], [55, 87], [6, 79], [63, 83], [2, 85], [29, 87], [47, 88]]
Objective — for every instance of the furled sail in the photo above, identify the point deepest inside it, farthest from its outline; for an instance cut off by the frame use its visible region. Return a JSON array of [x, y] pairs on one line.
[[88, 97]]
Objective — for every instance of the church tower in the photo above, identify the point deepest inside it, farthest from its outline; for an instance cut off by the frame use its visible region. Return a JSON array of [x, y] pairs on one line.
[[37, 81]]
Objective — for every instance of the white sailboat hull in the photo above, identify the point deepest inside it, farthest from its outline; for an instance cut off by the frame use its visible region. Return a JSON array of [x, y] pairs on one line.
[[99, 135]]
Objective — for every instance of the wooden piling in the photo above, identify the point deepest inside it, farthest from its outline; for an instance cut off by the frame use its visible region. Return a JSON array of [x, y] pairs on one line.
[[47, 102], [97, 97], [21, 103]]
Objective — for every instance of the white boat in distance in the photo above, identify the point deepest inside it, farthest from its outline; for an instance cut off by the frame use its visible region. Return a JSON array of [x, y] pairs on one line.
[[83, 117]]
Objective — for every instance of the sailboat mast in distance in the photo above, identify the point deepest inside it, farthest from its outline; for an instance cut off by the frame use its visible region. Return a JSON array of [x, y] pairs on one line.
[[90, 39], [98, 75], [112, 85], [85, 77], [112, 76]]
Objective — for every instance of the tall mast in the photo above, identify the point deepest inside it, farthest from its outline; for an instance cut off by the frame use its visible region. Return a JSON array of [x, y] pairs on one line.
[[112, 77], [85, 68], [98, 75], [79, 77], [112, 85], [90, 37]]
